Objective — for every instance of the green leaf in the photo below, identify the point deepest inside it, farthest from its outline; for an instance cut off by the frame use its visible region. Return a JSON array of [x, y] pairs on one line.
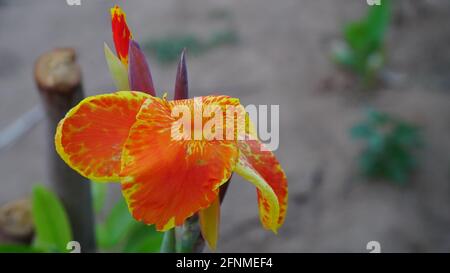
[[19, 249], [407, 136], [367, 35], [53, 230], [102, 237], [99, 191], [343, 55], [121, 230], [389, 149], [397, 174], [356, 36], [116, 226], [365, 39], [143, 239], [361, 131], [378, 20], [117, 70], [377, 118], [376, 142]]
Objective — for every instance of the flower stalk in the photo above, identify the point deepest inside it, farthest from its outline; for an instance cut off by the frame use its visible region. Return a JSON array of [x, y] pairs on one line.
[[169, 243], [191, 239]]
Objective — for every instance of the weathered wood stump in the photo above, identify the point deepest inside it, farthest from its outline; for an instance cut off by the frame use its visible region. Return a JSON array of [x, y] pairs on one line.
[[58, 78]]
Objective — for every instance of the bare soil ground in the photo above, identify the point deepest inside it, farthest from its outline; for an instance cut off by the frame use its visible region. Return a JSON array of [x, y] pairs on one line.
[[281, 59]]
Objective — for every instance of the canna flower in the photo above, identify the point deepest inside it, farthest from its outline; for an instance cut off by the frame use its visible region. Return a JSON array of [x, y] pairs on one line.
[[128, 137]]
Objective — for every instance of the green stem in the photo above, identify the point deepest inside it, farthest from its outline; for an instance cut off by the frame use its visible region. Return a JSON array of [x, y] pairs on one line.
[[191, 239], [169, 243]]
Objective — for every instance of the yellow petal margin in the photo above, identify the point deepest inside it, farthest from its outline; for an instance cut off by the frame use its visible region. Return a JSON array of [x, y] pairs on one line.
[[271, 210], [91, 135], [262, 168], [209, 223]]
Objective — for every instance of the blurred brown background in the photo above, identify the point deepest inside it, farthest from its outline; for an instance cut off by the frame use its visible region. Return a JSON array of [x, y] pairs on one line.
[[281, 58]]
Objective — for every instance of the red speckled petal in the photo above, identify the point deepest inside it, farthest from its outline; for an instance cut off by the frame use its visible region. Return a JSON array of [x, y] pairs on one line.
[[164, 180], [91, 136]]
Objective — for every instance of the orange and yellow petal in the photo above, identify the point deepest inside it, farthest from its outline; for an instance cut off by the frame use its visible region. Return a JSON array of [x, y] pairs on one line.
[[121, 33], [262, 168], [91, 136], [165, 180]]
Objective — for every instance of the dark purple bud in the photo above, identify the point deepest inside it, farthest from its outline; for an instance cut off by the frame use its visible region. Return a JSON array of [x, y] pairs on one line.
[[181, 83], [138, 70]]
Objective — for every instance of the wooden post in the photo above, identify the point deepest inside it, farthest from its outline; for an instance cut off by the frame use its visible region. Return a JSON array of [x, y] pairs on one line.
[[16, 222], [58, 78]]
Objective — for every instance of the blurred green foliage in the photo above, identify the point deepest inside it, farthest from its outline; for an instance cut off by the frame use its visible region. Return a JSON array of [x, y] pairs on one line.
[[363, 49], [99, 192], [52, 227], [19, 249], [389, 146], [168, 49], [119, 232]]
